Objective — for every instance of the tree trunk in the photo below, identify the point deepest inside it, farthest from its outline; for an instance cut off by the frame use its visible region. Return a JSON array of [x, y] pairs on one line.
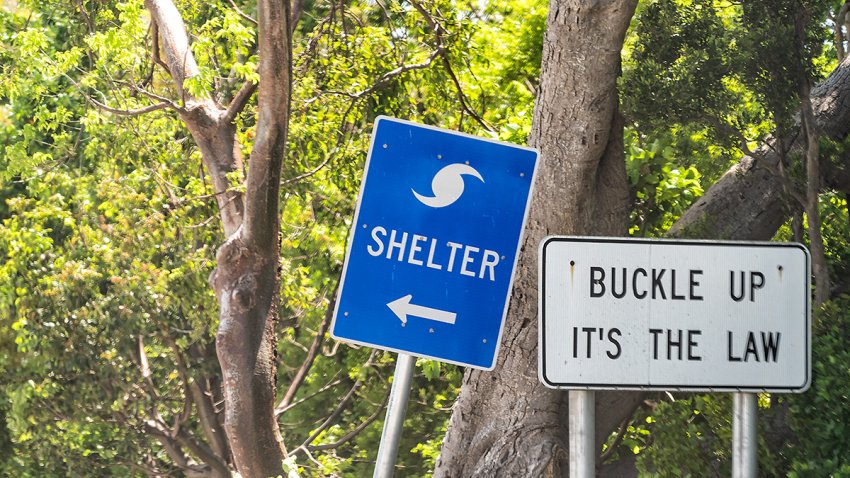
[[246, 280], [505, 423]]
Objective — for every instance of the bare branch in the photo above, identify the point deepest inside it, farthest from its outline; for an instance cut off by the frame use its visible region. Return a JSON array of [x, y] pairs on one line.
[[461, 96], [133, 112], [332, 384], [295, 16], [85, 15], [240, 100], [838, 25], [813, 182], [163, 102], [171, 447], [242, 14], [353, 433], [438, 33], [386, 77], [203, 452], [331, 419], [195, 395], [311, 354], [145, 368], [149, 94], [175, 42]]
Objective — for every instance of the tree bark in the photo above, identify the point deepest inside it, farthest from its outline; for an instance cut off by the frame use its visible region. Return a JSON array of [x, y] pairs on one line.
[[246, 280], [505, 423], [215, 138]]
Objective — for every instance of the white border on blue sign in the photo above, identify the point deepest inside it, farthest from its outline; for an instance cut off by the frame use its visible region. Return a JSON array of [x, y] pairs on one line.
[[357, 217]]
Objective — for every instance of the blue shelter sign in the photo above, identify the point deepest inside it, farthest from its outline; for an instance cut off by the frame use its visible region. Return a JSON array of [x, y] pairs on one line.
[[434, 243]]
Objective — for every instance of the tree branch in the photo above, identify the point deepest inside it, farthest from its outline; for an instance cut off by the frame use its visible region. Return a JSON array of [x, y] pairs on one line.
[[260, 224], [164, 103], [175, 42], [297, 12], [239, 101], [203, 452], [311, 354], [242, 14], [820, 268], [838, 25], [621, 433], [438, 33], [385, 78], [339, 409], [333, 383]]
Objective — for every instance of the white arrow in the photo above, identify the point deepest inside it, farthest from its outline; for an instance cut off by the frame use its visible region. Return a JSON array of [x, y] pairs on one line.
[[402, 308]]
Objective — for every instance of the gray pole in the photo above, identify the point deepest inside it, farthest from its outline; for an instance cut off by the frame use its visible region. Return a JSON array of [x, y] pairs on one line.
[[387, 451], [744, 435], [582, 423]]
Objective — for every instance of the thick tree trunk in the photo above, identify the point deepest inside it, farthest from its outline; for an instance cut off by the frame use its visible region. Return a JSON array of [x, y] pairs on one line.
[[505, 423]]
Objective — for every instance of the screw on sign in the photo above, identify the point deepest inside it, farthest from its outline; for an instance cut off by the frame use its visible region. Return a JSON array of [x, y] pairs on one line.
[[432, 253], [434, 243], [652, 314]]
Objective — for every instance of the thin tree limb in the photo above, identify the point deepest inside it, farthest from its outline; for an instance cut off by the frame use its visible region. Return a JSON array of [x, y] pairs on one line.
[[311, 354], [239, 101], [203, 452], [353, 433], [438, 33], [242, 14], [295, 15], [85, 15], [330, 385], [621, 433], [386, 77], [331, 419], [838, 25]]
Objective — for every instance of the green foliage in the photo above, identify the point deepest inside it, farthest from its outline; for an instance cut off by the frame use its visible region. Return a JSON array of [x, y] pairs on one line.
[[781, 42], [679, 58], [700, 428], [108, 224], [701, 81], [817, 417], [733, 68], [661, 192]]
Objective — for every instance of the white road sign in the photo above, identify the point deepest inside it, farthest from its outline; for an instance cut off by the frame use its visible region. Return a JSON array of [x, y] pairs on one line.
[[663, 315]]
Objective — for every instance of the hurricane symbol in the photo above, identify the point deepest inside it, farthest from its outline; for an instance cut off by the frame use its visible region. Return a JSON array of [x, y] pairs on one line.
[[447, 185]]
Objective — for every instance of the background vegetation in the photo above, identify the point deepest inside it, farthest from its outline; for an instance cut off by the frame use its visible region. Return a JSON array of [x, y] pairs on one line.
[[108, 228]]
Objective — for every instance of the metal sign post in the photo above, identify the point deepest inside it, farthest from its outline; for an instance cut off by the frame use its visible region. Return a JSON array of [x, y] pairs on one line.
[[620, 314], [582, 430], [744, 435], [390, 437], [432, 252]]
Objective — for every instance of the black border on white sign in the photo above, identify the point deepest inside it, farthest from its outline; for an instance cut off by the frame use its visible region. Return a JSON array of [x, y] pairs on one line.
[[661, 387]]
